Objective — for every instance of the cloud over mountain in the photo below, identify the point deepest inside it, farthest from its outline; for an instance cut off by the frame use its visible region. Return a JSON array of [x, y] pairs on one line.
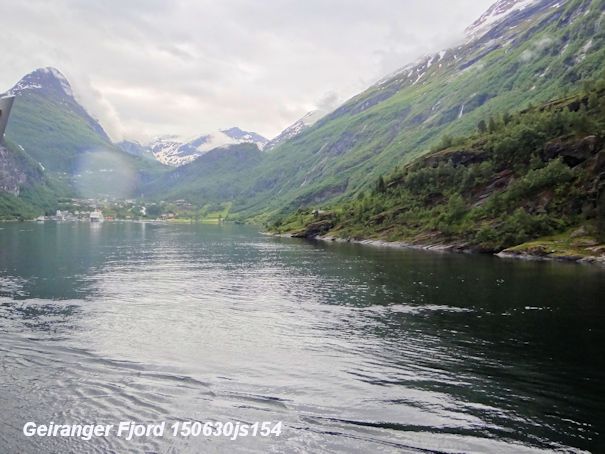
[[175, 67]]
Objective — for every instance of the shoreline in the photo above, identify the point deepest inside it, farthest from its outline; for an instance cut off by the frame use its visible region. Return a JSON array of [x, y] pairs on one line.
[[453, 248]]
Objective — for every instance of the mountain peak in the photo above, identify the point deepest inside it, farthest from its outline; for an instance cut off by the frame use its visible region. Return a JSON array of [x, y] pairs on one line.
[[46, 79], [240, 135], [233, 131]]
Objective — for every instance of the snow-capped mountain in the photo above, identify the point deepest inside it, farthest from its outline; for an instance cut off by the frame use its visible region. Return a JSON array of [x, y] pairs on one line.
[[295, 128], [165, 149], [236, 133], [49, 123], [172, 150], [50, 84], [43, 80]]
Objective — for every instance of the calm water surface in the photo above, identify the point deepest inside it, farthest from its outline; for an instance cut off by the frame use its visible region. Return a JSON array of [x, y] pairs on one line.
[[355, 349]]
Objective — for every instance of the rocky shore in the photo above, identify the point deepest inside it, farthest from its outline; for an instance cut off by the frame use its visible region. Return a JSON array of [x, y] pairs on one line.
[[593, 254]]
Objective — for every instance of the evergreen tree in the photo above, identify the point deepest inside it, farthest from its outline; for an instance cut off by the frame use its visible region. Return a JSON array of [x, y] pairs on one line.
[[582, 122], [482, 127], [593, 101], [381, 187], [492, 125]]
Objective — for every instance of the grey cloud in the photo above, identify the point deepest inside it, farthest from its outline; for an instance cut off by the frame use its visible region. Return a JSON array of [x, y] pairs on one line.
[[258, 65], [328, 102]]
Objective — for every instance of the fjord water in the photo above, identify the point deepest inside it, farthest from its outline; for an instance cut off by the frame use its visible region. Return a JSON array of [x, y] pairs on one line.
[[355, 349]]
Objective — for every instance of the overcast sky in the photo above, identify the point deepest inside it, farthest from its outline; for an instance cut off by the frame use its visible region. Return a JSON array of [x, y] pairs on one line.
[[154, 67]]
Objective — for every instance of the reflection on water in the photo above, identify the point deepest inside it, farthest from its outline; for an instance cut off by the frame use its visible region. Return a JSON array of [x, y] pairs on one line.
[[356, 349]]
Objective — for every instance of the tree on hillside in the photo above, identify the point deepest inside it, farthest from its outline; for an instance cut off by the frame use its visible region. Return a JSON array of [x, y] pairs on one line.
[[506, 118], [593, 101], [482, 127], [492, 125]]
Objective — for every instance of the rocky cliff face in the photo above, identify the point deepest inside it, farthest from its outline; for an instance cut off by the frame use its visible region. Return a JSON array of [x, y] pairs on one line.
[[16, 171], [11, 176]]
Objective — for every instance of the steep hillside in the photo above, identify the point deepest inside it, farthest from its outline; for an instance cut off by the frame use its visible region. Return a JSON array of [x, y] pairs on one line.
[[221, 174], [528, 52], [519, 179], [16, 170], [530, 55], [25, 192]]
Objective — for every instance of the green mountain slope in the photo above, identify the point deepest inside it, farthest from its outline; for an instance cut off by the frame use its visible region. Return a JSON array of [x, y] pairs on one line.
[[529, 55], [49, 123], [520, 178], [222, 174]]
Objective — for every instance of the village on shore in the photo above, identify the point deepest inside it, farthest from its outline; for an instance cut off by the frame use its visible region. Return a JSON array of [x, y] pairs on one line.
[[101, 210]]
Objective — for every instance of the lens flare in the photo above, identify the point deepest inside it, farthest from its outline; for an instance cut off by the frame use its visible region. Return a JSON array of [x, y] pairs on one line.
[[103, 173]]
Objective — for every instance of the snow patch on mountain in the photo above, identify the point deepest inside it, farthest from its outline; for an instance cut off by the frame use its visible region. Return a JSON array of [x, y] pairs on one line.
[[165, 149], [495, 14], [43, 79], [175, 151], [487, 33], [308, 120]]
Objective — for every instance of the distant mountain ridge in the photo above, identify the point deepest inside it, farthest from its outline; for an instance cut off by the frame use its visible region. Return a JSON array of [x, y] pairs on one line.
[[173, 151]]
